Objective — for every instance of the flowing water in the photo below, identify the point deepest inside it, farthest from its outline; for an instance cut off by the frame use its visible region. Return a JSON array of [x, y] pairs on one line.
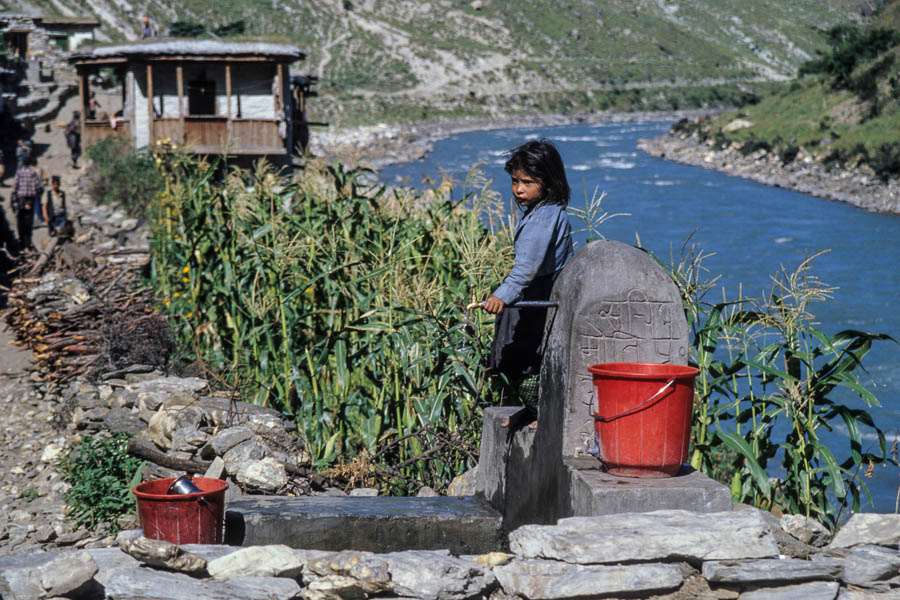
[[754, 231]]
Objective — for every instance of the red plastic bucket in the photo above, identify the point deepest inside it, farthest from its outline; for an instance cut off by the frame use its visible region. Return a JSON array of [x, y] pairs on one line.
[[643, 417], [182, 518]]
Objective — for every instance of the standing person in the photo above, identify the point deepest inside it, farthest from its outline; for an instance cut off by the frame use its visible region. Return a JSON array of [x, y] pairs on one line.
[[73, 137], [23, 151], [26, 186], [93, 105], [55, 208], [543, 246], [148, 30]]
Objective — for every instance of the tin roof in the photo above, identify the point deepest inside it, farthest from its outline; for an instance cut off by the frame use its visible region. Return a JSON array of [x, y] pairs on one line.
[[185, 47]]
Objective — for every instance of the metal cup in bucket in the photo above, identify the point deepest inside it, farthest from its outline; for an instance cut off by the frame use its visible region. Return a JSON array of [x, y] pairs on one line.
[[183, 485], [642, 418]]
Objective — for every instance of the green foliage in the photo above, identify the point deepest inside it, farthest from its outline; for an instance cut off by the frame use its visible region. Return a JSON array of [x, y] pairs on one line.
[[122, 176], [186, 29], [850, 45], [338, 304], [769, 384], [101, 475], [233, 28]]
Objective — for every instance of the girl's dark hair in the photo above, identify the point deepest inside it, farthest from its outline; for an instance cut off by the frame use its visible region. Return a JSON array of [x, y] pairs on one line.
[[54, 179], [541, 160]]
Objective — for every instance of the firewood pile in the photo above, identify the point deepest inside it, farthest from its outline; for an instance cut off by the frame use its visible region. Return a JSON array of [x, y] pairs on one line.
[[86, 313]]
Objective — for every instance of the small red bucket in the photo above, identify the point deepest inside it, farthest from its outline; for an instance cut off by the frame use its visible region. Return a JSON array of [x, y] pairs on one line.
[[182, 518], [643, 417]]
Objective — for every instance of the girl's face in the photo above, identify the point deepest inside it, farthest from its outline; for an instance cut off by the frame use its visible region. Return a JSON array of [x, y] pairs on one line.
[[526, 188]]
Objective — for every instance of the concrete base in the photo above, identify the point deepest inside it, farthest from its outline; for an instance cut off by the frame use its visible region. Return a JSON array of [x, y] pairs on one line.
[[529, 486], [595, 492], [464, 525]]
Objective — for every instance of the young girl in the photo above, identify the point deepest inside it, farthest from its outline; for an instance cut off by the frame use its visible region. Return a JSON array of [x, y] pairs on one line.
[[54, 208], [543, 246]]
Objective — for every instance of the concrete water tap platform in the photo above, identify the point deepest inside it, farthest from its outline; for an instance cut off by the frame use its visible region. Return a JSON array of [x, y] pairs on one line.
[[528, 485], [463, 525]]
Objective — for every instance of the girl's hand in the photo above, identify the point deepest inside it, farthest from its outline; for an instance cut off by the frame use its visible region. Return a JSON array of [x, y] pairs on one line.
[[494, 305]]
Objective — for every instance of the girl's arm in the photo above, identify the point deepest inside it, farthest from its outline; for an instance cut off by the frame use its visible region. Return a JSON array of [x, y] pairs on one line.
[[531, 250]]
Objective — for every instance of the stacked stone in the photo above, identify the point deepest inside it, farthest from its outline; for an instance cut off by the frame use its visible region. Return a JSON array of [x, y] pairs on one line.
[[250, 445], [662, 555]]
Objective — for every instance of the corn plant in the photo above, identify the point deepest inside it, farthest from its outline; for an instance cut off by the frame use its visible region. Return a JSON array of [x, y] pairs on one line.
[[768, 386], [339, 304]]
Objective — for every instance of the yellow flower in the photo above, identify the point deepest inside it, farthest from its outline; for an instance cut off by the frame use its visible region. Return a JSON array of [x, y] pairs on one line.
[[176, 294], [189, 315], [186, 280], [186, 269]]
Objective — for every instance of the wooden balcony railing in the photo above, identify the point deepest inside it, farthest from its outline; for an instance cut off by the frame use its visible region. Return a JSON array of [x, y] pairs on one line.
[[96, 130]]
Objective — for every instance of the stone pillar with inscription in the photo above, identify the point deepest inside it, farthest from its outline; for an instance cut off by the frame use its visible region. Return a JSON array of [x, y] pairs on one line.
[[616, 304]]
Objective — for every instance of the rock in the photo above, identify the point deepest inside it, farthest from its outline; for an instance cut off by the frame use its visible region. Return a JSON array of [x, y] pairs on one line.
[[819, 590], [493, 559], [333, 587], [224, 441], [546, 579], [868, 528], [370, 572], [67, 572], [252, 449], [122, 420], [168, 420], [427, 492], [188, 438], [870, 566], [655, 536], [147, 584], [267, 475], [365, 492], [768, 571], [257, 561], [50, 452], [216, 468], [435, 575], [807, 530], [110, 561], [464, 483], [165, 555]]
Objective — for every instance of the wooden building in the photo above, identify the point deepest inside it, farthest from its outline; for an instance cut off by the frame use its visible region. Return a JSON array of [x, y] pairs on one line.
[[214, 97]]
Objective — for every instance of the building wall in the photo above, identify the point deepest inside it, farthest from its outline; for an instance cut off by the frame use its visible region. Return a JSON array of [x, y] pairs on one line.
[[252, 93]]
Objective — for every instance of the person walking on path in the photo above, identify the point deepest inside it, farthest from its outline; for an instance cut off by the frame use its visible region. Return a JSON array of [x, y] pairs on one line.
[[26, 189], [23, 151], [73, 137], [543, 246], [54, 208]]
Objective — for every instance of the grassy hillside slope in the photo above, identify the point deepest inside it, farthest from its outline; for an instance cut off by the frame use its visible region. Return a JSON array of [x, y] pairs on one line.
[[845, 112], [408, 59]]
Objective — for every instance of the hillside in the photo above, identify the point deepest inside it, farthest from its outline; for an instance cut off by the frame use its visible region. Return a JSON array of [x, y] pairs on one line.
[[404, 60], [844, 111]]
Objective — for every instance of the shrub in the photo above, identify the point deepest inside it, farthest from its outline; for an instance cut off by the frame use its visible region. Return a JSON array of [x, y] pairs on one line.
[[187, 29], [121, 176], [101, 475], [886, 161]]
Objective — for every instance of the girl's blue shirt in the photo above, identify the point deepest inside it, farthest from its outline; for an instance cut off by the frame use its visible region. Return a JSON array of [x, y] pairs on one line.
[[543, 246]]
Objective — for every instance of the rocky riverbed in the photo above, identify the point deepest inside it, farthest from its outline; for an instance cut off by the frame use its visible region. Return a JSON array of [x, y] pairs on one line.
[[804, 173]]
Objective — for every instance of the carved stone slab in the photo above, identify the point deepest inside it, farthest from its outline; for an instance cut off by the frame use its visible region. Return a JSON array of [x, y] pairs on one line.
[[616, 304]]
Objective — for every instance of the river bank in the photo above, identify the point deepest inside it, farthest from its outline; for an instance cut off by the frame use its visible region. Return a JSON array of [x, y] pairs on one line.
[[859, 187]]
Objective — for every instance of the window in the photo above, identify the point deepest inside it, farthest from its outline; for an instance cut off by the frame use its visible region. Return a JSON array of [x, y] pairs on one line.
[[61, 41], [201, 93]]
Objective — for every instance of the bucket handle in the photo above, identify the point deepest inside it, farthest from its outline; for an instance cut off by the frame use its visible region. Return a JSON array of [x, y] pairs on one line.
[[634, 409]]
